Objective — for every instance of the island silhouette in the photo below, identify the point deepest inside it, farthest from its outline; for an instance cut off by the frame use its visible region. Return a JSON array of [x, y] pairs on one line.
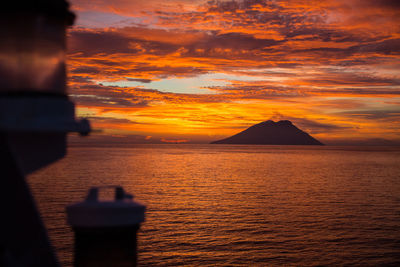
[[271, 133]]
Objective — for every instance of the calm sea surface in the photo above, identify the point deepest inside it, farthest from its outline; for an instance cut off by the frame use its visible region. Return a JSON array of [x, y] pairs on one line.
[[237, 205]]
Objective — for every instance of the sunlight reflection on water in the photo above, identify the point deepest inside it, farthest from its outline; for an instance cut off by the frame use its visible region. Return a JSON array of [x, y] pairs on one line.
[[240, 205]]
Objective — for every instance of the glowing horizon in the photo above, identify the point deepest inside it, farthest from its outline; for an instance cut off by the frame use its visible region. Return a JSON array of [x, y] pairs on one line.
[[203, 70]]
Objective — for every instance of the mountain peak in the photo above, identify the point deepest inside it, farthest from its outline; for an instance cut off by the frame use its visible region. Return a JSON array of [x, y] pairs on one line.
[[271, 122], [284, 122], [283, 132]]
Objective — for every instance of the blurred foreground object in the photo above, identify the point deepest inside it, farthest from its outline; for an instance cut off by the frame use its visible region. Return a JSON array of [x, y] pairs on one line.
[[105, 231], [35, 117], [35, 112]]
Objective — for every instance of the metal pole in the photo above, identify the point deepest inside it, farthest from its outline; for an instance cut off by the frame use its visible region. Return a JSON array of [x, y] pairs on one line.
[[107, 246], [106, 231], [23, 237]]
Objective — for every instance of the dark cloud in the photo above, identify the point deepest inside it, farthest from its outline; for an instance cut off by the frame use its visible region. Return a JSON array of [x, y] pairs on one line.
[[91, 94], [89, 42], [386, 47], [353, 79], [257, 91], [390, 46], [315, 127], [372, 91], [78, 79], [391, 115], [391, 4], [118, 42], [165, 71], [312, 126], [139, 80], [98, 100], [106, 62], [85, 69], [271, 91], [234, 41], [98, 119]]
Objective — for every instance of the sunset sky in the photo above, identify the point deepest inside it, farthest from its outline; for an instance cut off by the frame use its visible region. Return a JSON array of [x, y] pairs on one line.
[[198, 71]]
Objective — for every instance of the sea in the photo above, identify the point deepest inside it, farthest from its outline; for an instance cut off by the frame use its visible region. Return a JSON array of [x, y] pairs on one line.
[[239, 205]]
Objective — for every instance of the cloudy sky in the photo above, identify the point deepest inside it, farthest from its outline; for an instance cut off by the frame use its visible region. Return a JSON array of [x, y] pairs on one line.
[[203, 70]]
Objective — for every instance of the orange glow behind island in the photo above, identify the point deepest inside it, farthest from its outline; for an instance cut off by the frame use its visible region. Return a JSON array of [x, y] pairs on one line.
[[202, 71]]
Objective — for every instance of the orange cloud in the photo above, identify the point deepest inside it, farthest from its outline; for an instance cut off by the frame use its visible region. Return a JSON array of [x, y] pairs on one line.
[[330, 66]]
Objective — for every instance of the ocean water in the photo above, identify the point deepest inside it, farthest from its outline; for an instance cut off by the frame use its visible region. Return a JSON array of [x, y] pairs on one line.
[[238, 205]]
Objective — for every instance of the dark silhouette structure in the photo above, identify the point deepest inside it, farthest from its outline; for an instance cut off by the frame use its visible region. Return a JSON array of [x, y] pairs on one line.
[[106, 231], [35, 117], [271, 133]]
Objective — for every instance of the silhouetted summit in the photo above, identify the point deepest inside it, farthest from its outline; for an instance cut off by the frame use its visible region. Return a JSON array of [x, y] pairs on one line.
[[271, 133]]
